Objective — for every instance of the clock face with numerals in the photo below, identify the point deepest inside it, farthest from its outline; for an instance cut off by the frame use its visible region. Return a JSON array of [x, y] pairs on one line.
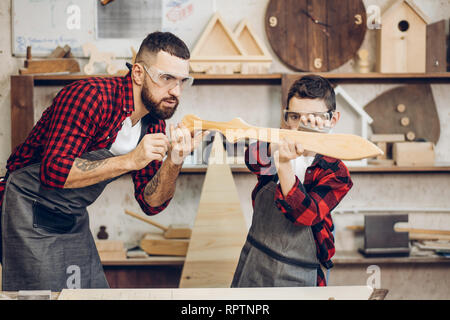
[[315, 35]]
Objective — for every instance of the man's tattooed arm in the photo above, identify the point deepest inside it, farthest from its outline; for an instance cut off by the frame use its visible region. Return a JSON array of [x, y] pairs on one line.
[[162, 186], [86, 173], [87, 165], [152, 185]]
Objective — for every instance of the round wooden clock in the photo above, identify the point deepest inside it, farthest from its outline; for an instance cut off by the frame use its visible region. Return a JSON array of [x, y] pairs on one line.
[[315, 35]]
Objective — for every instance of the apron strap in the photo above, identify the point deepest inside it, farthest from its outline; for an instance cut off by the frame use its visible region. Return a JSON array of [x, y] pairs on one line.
[[276, 256], [146, 122]]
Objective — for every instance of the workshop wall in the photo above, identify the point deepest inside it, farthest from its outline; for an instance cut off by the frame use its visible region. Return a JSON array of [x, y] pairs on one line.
[[258, 105]]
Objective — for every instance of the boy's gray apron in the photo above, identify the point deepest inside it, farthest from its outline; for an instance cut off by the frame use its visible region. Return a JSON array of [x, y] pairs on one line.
[[47, 243], [277, 253]]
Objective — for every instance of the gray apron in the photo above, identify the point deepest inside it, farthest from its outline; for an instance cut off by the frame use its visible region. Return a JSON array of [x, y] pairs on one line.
[[277, 253], [47, 242]]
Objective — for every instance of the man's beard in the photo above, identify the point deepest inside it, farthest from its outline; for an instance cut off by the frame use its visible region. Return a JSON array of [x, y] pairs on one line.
[[155, 108]]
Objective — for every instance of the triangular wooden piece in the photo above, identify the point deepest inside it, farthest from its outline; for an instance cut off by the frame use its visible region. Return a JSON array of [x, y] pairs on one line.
[[251, 44], [219, 230], [217, 40]]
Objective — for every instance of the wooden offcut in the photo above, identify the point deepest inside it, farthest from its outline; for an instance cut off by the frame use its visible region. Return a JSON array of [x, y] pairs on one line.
[[110, 250], [414, 154], [436, 47], [219, 231], [339, 146], [22, 111], [387, 138], [157, 244]]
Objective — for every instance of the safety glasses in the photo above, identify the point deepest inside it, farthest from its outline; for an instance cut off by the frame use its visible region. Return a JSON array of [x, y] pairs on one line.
[[168, 80], [294, 117]]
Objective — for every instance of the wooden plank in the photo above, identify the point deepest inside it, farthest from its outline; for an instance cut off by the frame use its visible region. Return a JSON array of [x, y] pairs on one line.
[[219, 230], [387, 138], [297, 293], [109, 245], [157, 244], [436, 47], [339, 146], [22, 109], [413, 153], [60, 52], [50, 66]]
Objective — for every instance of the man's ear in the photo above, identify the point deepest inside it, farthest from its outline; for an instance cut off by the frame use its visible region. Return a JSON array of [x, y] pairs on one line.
[[335, 119], [138, 74]]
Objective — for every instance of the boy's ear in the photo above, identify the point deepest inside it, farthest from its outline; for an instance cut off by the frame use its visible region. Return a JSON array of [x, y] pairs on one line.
[[335, 119]]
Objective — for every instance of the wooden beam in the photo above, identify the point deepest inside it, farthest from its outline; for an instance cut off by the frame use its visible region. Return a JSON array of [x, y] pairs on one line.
[[22, 109]]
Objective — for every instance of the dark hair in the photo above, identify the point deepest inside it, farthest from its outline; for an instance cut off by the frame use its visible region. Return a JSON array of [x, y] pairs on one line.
[[164, 41], [313, 87]]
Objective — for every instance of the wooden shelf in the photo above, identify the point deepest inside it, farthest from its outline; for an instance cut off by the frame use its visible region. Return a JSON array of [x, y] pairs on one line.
[[395, 169], [367, 169], [341, 258], [150, 261], [353, 257], [271, 78]]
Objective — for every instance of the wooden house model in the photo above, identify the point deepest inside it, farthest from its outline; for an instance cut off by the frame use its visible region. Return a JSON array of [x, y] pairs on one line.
[[402, 39]]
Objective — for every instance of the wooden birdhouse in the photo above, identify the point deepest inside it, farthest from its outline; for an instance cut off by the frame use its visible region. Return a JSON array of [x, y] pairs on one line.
[[402, 39], [219, 50], [354, 120]]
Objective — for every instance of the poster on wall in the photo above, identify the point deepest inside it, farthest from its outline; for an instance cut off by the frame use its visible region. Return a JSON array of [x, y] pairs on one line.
[[46, 24], [187, 18]]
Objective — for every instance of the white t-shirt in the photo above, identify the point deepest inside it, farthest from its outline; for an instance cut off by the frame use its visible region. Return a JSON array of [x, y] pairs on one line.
[[300, 165], [127, 138]]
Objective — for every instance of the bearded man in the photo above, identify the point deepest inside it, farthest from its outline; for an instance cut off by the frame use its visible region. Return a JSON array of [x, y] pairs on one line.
[[95, 131]]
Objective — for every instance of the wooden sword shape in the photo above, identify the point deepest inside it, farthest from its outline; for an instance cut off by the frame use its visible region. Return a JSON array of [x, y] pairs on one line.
[[339, 146]]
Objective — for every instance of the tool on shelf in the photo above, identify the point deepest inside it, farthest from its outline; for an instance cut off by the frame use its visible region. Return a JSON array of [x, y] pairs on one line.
[[175, 231]]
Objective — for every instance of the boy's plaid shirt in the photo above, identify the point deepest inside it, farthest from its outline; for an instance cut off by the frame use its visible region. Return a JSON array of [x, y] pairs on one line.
[[85, 116], [326, 182]]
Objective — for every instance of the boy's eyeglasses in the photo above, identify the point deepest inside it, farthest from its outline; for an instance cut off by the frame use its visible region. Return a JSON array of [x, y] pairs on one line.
[[168, 80], [294, 117]]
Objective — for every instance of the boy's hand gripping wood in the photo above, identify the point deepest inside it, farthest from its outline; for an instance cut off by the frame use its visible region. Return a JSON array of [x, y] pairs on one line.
[[339, 146]]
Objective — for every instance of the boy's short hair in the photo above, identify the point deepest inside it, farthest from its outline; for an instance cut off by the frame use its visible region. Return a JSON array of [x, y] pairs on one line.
[[164, 41], [313, 87]]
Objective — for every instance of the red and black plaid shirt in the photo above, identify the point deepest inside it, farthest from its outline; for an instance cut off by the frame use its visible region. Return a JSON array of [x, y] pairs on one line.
[[309, 203], [85, 116]]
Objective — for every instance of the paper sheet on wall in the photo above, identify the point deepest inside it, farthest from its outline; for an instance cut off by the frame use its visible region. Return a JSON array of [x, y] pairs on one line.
[[186, 18]]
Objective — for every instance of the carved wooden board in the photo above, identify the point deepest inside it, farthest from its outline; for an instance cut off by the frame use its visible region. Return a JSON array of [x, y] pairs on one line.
[[219, 230], [419, 108], [305, 45]]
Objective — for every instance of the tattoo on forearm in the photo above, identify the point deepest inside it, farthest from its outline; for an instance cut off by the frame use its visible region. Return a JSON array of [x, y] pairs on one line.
[[153, 184], [87, 165]]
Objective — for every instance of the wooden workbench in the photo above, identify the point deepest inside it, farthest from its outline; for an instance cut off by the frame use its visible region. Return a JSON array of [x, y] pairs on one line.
[[305, 293]]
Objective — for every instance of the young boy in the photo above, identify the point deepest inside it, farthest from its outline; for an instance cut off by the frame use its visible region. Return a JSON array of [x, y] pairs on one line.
[[291, 232]]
